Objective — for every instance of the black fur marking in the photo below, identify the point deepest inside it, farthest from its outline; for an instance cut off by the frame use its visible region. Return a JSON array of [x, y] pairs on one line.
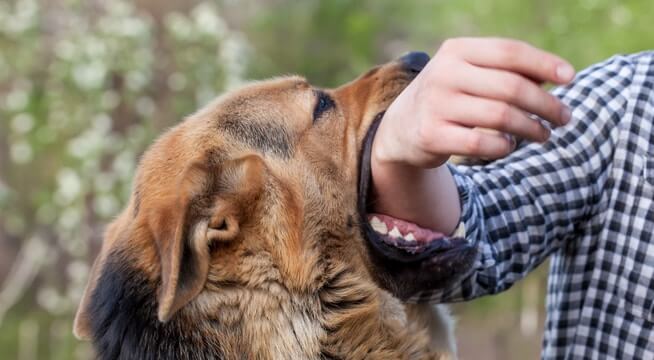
[[188, 267], [344, 304], [124, 320], [332, 301], [265, 137], [334, 283], [326, 355]]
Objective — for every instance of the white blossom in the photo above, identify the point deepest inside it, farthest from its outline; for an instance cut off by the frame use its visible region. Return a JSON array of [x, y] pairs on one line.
[[21, 152], [22, 123]]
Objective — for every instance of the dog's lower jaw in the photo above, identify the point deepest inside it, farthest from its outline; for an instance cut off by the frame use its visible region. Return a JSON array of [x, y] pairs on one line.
[[407, 269]]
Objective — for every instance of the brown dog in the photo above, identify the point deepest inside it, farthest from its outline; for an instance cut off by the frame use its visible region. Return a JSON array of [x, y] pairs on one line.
[[247, 237]]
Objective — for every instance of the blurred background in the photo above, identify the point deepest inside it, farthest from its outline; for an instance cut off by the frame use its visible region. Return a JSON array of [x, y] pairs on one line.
[[86, 85]]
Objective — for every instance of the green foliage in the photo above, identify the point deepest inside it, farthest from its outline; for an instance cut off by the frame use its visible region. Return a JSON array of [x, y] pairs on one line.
[[84, 89], [326, 41], [332, 41]]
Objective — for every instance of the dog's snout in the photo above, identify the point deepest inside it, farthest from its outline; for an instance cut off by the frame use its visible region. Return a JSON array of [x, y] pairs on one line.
[[414, 61]]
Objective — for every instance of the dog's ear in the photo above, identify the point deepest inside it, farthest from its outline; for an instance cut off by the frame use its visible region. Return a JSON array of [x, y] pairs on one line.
[[185, 256], [207, 204]]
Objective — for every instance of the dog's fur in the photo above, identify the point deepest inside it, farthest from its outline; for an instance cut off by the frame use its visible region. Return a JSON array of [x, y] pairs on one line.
[[242, 238]]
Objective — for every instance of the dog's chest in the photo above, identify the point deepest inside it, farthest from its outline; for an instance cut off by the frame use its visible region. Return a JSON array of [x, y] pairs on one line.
[[272, 326], [295, 337]]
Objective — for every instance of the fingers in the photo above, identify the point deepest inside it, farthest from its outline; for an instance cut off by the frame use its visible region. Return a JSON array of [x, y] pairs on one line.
[[456, 140], [512, 89], [468, 86], [511, 55], [471, 111]]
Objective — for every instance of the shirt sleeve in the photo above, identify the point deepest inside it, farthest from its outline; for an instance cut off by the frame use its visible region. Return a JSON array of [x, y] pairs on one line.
[[520, 209]]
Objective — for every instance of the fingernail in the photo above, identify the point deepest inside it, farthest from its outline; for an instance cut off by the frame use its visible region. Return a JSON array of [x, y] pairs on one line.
[[565, 72], [566, 115], [546, 134], [511, 139]]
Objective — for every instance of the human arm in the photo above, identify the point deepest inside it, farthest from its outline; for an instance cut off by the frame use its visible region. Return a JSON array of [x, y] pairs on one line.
[[521, 208], [487, 83]]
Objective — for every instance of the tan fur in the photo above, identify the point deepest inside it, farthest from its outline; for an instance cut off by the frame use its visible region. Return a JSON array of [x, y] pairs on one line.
[[273, 236]]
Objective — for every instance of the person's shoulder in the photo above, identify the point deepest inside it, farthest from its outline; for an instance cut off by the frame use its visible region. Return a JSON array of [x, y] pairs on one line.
[[646, 56], [619, 65], [639, 68], [639, 62], [620, 72], [643, 63]]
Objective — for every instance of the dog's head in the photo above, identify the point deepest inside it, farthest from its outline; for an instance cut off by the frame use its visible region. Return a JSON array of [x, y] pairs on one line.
[[266, 189]]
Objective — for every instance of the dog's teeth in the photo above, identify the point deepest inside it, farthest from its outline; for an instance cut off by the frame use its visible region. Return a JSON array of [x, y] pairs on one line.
[[395, 232], [378, 225], [410, 237]]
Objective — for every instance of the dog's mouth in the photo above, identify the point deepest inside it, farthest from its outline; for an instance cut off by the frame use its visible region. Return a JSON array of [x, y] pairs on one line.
[[406, 238], [408, 258]]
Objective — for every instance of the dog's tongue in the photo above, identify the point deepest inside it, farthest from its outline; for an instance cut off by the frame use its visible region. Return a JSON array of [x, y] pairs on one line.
[[396, 228]]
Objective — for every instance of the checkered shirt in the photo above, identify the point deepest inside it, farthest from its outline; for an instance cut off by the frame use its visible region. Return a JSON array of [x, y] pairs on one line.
[[585, 198]]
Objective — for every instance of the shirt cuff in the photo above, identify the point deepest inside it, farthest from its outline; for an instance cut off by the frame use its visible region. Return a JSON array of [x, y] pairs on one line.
[[471, 224]]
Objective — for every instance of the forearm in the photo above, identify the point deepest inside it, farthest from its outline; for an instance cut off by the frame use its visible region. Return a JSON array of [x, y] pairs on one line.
[[520, 209], [469, 85], [427, 197]]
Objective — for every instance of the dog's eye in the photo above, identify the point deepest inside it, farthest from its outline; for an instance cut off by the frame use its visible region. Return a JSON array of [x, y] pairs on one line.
[[323, 104]]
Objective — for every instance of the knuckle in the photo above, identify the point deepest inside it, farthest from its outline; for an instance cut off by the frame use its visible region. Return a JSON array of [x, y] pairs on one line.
[[514, 88], [446, 46], [509, 50], [501, 115], [445, 74], [437, 70], [473, 144], [451, 45], [442, 76], [555, 106], [424, 137]]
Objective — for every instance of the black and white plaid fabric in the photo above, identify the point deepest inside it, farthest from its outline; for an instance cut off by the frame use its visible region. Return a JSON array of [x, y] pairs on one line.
[[585, 198]]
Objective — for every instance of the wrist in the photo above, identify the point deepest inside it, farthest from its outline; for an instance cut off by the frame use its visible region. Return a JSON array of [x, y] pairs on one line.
[[417, 187], [426, 197]]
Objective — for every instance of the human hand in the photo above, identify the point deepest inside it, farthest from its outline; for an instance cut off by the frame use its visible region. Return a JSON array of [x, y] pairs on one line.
[[470, 84]]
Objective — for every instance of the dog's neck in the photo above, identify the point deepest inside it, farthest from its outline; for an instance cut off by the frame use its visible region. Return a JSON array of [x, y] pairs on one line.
[[335, 322]]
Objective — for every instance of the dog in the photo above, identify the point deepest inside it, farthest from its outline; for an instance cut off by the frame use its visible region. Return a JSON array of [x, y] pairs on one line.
[[248, 236]]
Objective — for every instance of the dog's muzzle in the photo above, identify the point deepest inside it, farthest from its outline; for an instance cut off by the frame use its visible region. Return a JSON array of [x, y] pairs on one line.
[[410, 258]]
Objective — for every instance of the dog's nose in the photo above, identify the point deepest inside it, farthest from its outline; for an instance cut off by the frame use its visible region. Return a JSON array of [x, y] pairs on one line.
[[414, 61]]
